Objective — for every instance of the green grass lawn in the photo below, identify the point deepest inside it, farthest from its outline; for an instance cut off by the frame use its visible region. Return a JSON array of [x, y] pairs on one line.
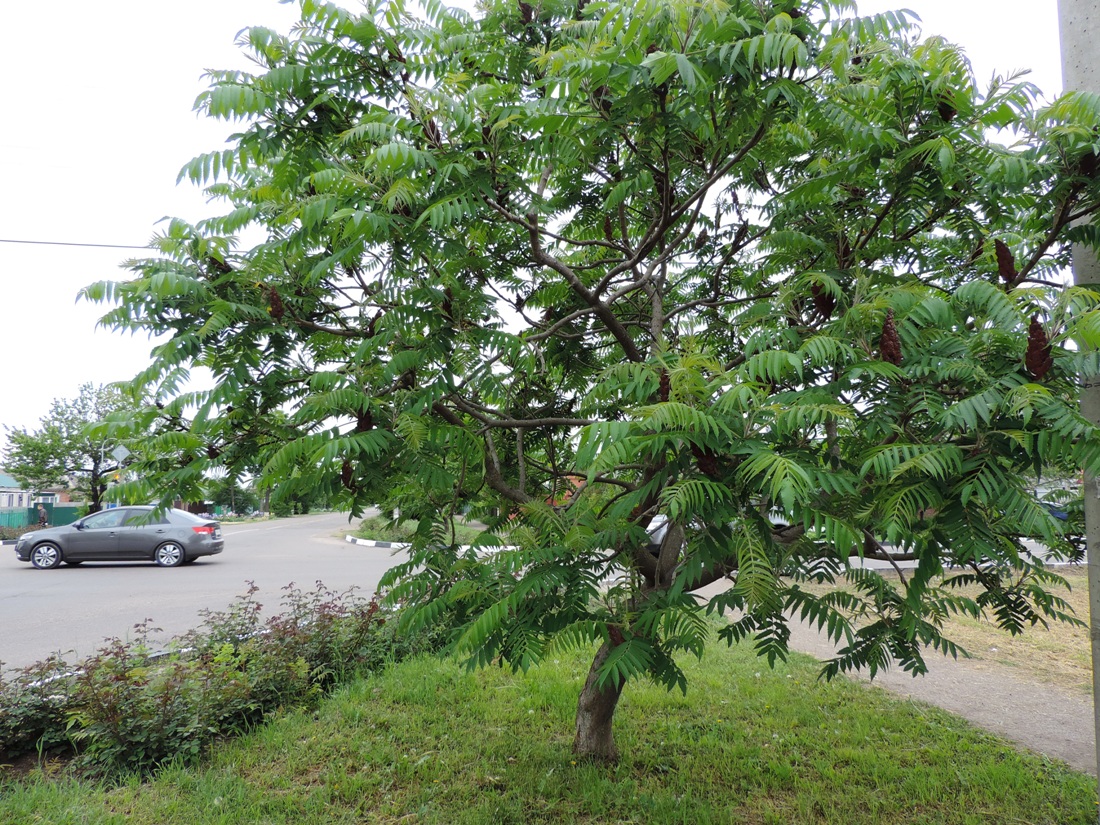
[[378, 528], [427, 742]]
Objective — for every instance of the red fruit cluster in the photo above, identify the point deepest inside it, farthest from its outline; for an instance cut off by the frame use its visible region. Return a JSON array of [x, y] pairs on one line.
[[1038, 359], [276, 301], [890, 344]]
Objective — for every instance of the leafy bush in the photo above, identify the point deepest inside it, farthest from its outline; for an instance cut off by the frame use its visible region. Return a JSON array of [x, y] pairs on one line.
[[9, 533], [130, 709], [32, 707]]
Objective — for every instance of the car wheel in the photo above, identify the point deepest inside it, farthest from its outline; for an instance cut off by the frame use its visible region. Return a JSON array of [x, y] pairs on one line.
[[46, 556], [169, 554]]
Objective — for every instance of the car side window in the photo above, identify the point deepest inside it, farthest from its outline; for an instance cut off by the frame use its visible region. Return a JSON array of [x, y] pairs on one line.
[[145, 518], [108, 518]]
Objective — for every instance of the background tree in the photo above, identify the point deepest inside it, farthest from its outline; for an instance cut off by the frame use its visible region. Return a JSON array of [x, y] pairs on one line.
[[231, 495], [757, 269], [67, 448]]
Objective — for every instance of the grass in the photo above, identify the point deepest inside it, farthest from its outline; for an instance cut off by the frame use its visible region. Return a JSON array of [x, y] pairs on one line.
[[378, 528], [428, 743]]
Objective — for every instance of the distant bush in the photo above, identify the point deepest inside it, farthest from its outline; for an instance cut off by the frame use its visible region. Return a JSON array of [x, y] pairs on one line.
[[129, 709], [8, 533]]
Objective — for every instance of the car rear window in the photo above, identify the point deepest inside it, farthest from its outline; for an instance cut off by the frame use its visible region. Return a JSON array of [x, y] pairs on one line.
[[183, 517]]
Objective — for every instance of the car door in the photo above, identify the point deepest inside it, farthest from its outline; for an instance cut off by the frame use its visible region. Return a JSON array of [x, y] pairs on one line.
[[97, 538], [141, 534]]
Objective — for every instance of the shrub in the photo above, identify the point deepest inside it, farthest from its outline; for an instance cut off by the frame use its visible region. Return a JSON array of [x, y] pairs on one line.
[[33, 707], [130, 709]]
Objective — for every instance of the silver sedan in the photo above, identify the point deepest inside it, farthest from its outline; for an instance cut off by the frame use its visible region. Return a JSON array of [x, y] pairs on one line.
[[167, 537]]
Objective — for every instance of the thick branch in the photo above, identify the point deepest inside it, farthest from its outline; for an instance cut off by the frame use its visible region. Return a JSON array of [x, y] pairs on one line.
[[602, 310], [495, 478]]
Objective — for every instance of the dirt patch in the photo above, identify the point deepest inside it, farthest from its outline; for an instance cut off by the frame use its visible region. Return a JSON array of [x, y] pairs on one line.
[[50, 764]]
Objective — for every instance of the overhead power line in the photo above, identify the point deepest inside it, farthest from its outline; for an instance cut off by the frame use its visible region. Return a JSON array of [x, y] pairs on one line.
[[68, 243]]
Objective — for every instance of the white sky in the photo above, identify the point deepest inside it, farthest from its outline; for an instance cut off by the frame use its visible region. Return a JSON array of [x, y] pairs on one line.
[[97, 121]]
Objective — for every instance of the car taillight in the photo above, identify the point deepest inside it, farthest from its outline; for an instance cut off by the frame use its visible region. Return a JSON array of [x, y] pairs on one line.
[[206, 528]]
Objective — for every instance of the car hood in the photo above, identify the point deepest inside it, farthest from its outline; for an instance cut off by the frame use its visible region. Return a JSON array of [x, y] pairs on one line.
[[48, 533]]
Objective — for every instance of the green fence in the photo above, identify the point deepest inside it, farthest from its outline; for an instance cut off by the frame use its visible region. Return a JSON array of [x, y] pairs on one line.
[[28, 516], [13, 517]]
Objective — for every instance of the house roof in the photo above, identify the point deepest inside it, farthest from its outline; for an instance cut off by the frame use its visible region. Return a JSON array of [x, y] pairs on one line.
[[8, 481]]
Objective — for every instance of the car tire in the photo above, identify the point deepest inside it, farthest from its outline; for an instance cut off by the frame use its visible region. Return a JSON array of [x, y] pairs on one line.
[[46, 556], [169, 554]]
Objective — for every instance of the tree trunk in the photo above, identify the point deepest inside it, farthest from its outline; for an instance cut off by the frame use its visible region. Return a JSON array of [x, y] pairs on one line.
[[595, 712], [1078, 27]]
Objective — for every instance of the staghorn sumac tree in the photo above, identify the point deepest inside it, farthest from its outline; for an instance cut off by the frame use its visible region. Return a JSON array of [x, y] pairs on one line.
[[781, 275]]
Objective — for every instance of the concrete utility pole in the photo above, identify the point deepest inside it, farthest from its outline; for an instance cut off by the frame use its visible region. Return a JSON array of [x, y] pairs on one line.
[[1079, 26]]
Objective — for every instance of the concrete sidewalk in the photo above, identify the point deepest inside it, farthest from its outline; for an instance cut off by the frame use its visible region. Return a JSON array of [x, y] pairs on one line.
[[1042, 718]]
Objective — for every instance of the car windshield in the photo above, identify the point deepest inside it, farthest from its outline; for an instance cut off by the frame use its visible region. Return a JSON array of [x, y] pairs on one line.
[[108, 518]]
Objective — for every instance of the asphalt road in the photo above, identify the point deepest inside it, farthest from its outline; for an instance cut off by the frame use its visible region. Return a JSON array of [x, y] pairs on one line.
[[72, 610]]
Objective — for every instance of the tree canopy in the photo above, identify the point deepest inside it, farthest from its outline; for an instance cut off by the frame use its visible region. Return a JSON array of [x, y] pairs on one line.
[[68, 448], [784, 276]]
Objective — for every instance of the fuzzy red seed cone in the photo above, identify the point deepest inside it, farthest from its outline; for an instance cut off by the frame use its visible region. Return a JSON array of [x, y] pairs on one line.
[[707, 461], [890, 344], [1038, 359], [1089, 165], [824, 302], [276, 301], [1006, 263]]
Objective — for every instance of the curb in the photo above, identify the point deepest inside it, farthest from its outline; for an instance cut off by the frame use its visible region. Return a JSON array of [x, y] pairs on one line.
[[389, 545], [397, 545]]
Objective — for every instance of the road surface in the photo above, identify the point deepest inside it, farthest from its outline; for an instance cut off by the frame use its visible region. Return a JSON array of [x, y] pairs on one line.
[[72, 610]]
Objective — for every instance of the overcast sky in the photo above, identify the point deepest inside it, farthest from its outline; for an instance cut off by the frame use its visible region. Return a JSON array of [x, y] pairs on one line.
[[98, 121]]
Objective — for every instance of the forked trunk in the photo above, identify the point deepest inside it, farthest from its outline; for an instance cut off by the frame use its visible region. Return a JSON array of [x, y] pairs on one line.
[[595, 712]]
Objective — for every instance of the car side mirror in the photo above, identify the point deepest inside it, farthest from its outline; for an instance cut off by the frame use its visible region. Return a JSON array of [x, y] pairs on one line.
[[79, 525]]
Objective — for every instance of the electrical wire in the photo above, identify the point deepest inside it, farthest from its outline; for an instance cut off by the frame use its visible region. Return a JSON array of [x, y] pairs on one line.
[[68, 243]]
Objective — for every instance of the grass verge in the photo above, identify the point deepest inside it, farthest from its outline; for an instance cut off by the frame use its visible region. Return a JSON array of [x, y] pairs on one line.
[[426, 742], [379, 528]]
